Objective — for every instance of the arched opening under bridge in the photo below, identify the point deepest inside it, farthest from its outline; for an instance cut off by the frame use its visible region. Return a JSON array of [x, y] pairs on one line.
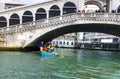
[[92, 27]]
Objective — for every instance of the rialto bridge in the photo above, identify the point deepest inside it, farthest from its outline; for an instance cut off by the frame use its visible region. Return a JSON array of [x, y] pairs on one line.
[[27, 26]]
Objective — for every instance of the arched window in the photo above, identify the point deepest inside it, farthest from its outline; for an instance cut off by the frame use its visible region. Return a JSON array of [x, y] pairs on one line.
[[64, 43], [54, 11], [69, 7], [67, 43], [41, 14], [60, 42], [72, 43], [14, 19], [27, 17], [3, 21]]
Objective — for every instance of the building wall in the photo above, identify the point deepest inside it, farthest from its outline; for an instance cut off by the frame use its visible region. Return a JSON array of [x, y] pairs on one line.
[[66, 40], [91, 37], [63, 43]]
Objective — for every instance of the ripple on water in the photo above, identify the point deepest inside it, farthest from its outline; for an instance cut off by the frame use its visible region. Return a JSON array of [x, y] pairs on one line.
[[70, 64]]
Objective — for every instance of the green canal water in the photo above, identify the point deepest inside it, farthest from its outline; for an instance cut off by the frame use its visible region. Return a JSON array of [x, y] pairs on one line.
[[70, 64]]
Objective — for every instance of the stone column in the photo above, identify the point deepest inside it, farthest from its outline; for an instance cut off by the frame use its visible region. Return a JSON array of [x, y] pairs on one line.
[[47, 14], [21, 19], [34, 16], [61, 13], [8, 22], [47, 11]]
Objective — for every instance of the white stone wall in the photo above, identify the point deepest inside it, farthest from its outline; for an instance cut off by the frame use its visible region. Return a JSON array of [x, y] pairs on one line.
[[24, 37], [16, 41]]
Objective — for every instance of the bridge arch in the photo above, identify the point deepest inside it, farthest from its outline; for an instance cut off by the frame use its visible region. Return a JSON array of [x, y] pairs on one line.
[[40, 14], [112, 29], [14, 19], [3, 21], [95, 3], [69, 7], [27, 16], [54, 11]]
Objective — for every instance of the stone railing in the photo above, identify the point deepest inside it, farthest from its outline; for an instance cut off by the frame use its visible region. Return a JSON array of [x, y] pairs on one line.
[[62, 19]]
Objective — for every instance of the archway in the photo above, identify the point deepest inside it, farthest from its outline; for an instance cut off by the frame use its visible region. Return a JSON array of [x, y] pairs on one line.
[[54, 11], [3, 21], [90, 27], [101, 8], [69, 7], [27, 17], [40, 14], [14, 19]]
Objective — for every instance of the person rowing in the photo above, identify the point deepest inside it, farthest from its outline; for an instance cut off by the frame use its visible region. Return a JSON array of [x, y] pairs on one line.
[[41, 46]]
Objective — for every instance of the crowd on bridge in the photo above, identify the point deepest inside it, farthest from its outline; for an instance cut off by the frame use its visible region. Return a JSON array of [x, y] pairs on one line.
[[116, 11], [91, 11], [99, 11]]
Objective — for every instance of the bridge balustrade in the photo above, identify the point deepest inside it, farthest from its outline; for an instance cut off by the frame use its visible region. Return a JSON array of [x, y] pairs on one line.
[[28, 24], [12, 28], [85, 17], [54, 19], [99, 15], [66, 17], [74, 15], [118, 15], [112, 15], [88, 15], [40, 22]]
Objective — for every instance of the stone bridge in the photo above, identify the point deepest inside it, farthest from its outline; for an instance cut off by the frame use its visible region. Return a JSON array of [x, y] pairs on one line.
[[30, 34], [27, 26]]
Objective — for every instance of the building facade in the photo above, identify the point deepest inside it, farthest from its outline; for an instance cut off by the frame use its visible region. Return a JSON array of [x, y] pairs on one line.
[[91, 37], [67, 40], [7, 4], [93, 40]]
